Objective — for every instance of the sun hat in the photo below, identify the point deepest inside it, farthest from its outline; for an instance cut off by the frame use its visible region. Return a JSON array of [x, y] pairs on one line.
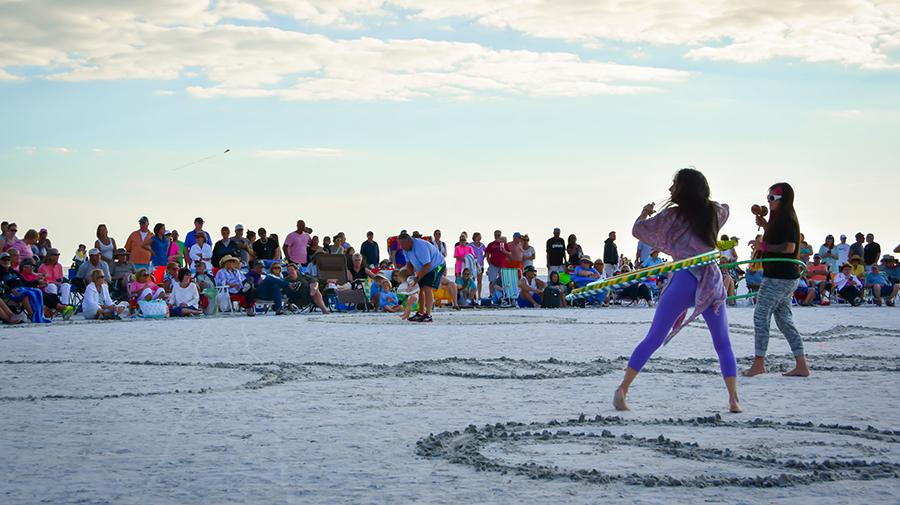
[[585, 258], [530, 268], [121, 252], [226, 259], [855, 257]]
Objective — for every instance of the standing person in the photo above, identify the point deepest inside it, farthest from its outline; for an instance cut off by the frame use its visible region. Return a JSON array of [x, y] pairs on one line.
[[686, 227], [528, 252], [556, 253], [843, 250], [177, 253], [857, 248], [574, 250], [191, 237], [369, 250], [396, 252], [781, 239], [438, 243], [516, 253], [496, 255], [224, 247], [139, 255], [243, 245], [428, 268], [642, 253], [478, 248], [610, 254], [872, 252], [105, 243], [264, 248], [830, 254], [158, 245], [460, 251], [201, 252], [295, 245]]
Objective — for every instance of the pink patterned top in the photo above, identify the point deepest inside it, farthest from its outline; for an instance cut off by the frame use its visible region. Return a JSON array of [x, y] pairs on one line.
[[668, 233]]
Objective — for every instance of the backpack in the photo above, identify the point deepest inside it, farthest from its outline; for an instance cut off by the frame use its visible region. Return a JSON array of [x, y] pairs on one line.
[[550, 300]]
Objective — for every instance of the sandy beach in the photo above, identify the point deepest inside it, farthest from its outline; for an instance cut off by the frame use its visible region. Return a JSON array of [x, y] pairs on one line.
[[481, 406]]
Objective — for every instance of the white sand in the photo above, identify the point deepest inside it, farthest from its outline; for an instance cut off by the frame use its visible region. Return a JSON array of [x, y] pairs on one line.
[[316, 409]]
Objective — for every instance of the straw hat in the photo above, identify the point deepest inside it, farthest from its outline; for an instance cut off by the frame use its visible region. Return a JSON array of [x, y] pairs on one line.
[[121, 252], [226, 259], [856, 257]]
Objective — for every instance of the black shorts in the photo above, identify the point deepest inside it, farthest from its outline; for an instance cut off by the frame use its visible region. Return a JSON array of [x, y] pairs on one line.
[[433, 278]]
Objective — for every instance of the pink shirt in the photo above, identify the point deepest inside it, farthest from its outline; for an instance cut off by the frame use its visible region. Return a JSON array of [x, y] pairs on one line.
[[137, 287], [460, 252], [51, 273], [666, 232], [297, 243]]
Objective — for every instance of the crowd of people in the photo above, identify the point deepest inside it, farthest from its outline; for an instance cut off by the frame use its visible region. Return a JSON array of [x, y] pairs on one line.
[[257, 265]]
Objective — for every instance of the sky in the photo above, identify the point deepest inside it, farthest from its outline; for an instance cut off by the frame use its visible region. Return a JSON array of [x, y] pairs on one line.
[[459, 115]]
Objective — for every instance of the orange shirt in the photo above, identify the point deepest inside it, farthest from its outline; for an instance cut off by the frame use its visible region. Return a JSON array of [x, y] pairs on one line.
[[139, 255]]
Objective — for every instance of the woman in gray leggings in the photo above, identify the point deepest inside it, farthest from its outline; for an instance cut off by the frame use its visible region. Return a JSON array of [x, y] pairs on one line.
[[780, 240]]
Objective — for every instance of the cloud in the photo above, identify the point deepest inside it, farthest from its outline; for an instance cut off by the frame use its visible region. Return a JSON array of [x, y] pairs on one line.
[[164, 40], [28, 150], [300, 152], [61, 150], [847, 114], [163, 92], [100, 151]]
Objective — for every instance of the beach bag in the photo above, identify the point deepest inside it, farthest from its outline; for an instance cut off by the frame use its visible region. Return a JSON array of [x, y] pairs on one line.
[[154, 309], [223, 300], [550, 300], [207, 301]]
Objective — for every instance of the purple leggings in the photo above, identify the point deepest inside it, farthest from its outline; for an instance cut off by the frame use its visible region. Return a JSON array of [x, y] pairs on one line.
[[678, 297]]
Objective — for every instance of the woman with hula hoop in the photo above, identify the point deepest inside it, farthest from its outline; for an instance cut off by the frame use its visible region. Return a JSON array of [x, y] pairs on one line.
[[781, 239], [686, 227]]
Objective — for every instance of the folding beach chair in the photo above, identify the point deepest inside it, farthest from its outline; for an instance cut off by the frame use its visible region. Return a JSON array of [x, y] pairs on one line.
[[510, 279], [332, 266]]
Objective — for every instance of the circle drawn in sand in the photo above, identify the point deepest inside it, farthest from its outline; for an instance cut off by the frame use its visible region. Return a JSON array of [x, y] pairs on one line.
[[608, 450]]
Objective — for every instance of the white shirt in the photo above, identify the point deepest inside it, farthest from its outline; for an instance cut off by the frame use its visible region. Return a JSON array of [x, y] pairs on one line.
[[189, 295], [93, 299], [843, 253], [841, 280], [528, 252], [202, 253]]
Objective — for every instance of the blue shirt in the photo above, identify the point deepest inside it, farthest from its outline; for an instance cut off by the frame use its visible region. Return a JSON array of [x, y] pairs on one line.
[[463, 285], [650, 262], [582, 281], [754, 277], [400, 257], [422, 253], [191, 239], [877, 279], [388, 299], [645, 251], [224, 277], [160, 255]]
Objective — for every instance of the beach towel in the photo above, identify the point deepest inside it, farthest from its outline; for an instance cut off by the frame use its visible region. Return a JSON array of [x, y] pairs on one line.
[[471, 263], [36, 298]]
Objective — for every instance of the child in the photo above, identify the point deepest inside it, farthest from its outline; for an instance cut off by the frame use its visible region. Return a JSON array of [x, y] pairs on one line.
[[467, 288], [409, 288], [388, 300], [80, 254]]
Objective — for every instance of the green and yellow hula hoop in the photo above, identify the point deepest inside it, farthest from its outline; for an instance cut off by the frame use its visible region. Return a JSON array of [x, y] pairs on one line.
[[762, 260], [629, 278]]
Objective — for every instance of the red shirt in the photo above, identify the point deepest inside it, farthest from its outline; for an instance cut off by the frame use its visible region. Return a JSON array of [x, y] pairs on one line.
[[494, 252]]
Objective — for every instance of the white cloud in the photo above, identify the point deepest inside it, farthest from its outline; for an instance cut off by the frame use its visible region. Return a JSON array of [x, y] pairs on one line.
[[163, 92], [61, 150], [300, 152], [847, 114], [28, 150], [100, 151]]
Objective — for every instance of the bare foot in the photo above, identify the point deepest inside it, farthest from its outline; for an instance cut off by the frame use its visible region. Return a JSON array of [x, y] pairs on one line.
[[758, 367], [735, 406], [797, 372], [619, 400]]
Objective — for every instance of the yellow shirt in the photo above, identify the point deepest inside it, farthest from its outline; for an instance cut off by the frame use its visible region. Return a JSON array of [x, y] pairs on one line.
[[858, 271]]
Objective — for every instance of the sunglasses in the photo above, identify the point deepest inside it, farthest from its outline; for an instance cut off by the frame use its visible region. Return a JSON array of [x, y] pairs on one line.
[[772, 198], [13, 230]]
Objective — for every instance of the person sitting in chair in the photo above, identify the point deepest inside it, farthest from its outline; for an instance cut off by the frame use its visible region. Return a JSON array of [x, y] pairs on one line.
[[881, 287], [144, 288], [306, 289], [848, 285], [531, 289]]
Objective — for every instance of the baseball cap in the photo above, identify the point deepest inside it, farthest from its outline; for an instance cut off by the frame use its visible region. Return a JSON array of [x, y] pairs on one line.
[[259, 263], [735, 238], [843, 236], [43, 230], [93, 251], [4, 255], [530, 268], [143, 219], [199, 219], [517, 234], [556, 230], [238, 227]]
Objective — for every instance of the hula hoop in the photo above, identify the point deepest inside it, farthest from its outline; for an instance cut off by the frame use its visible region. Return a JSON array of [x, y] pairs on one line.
[[761, 260], [630, 278]]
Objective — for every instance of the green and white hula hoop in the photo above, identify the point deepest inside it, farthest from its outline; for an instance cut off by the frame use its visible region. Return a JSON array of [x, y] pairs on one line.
[[627, 279]]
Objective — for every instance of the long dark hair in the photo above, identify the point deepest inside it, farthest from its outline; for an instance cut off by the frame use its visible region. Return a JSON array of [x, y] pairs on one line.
[[785, 220], [692, 204]]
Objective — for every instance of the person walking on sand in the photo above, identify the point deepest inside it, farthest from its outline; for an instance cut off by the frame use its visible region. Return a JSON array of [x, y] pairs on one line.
[[781, 239], [687, 226]]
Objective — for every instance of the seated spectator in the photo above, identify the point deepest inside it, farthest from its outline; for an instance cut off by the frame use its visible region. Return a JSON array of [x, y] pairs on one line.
[[857, 267], [8, 316], [275, 270], [890, 268], [143, 288], [52, 305], [83, 276], [636, 291], [817, 275], [121, 271], [848, 285], [43, 244], [375, 290], [306, 289], [497, 293], [531, 289], [881, 286], [203, 279], [553, 281], [201, 251], [267, 288], [97, 303], [185, 297], [170, 277], [224, 247], [14, 256], [387, 299], [20, 290], [465, 286], [385, 265], [53, 274], [358, 271], [729, 275], [230, 276], [586, 273]]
